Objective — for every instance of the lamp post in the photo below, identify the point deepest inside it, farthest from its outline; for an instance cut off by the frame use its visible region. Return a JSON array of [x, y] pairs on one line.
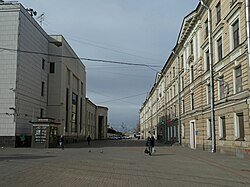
[[211, 77]]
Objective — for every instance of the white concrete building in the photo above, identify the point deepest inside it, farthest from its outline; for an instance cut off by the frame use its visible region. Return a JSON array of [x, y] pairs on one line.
[[40, 77], [23, 76]]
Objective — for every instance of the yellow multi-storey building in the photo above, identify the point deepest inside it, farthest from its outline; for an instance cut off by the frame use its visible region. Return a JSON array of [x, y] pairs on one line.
[[201, 97]]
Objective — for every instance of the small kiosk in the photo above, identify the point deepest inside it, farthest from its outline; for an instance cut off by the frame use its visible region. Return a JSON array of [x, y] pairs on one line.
[[45, 133]]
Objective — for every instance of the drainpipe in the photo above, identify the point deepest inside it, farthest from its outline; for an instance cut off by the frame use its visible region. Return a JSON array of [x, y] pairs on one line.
[[179, 104], [211, 77], [248, 37]]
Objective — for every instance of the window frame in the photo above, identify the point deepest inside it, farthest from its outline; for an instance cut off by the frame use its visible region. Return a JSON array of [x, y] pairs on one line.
[[222, 127], [218, 12], [238, 79], [207, 60], [236, 34], [239, 131], [52, 67], [219, 48], [42, 88], [206, 28], [209, 129], [43, 63], [221, 89], [208, 94], [191, 73], [192, 100]]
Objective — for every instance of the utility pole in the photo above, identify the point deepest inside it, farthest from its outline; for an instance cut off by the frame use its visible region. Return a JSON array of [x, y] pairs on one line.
[[211, 77]]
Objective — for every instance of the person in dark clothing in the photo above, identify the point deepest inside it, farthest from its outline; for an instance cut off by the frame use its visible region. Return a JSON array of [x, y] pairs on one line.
[[61, 142], [149, 145], [88, 139], [152, 139]]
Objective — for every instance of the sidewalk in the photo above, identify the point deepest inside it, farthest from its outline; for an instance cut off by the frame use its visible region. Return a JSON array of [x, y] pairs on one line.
[[120, 163]]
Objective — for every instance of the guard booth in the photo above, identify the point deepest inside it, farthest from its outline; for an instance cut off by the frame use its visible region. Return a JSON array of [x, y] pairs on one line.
[[45, 132]]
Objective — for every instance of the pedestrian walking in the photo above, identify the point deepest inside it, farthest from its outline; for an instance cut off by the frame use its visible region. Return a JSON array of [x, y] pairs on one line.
[[153, 143], [149, 146], [61, 142], [88, 139]]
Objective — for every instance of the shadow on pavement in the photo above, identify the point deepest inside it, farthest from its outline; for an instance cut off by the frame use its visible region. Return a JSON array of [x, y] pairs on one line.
[[112, 143], [158, 154], [23, 157]]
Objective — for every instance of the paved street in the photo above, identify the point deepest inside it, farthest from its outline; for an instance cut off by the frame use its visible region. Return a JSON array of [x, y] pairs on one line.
[[120, 163]]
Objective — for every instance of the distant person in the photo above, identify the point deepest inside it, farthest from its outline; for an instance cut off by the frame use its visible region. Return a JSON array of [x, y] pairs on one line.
[[149, 146], [88, 139], [61, 142], [153, 143]]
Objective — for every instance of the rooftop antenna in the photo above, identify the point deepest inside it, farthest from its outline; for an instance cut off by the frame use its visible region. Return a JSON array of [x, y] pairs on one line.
[[41, 18]]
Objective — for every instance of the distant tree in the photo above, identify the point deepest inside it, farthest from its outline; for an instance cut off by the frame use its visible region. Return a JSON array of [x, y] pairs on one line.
[[124, 128], [137, 128]]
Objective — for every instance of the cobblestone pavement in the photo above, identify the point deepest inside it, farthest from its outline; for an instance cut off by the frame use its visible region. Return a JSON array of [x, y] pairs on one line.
[[120, 163]]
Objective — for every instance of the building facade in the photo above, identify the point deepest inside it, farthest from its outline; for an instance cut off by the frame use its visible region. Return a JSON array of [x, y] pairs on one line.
[[207, 81], [96, 120], [40, 77]]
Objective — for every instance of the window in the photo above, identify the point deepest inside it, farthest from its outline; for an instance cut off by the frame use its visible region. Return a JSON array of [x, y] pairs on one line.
[[236, 39], [192, 101], [175, 110], [221, 89], [219, 48], [52, 67], [218, 12], [206, 28], [208, 94], [182, 61], [238, 80], [192, 74], [182, 82], [222, 127], [207, 61], [191, 47], [41, 113], [74, 112], [183, 106], [209, 129], [170, 76], [173, 72], [232, 2], [174, 90], [239, 126], [42, 89], [43, 63], [183, 131]]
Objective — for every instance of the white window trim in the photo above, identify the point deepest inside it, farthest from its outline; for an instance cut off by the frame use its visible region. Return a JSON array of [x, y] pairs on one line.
[[231, 22], [216, 46], [234, 78], [205, 58], [236, 127], [191, 103], [182, 131], [195, 46], [220, 127], [208, 129]]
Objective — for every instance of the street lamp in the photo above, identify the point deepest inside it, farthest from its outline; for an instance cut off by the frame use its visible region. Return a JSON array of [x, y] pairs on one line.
[[211, 77]]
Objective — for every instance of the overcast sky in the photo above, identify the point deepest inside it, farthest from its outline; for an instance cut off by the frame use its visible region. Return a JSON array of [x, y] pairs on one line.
[[134, 31]]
